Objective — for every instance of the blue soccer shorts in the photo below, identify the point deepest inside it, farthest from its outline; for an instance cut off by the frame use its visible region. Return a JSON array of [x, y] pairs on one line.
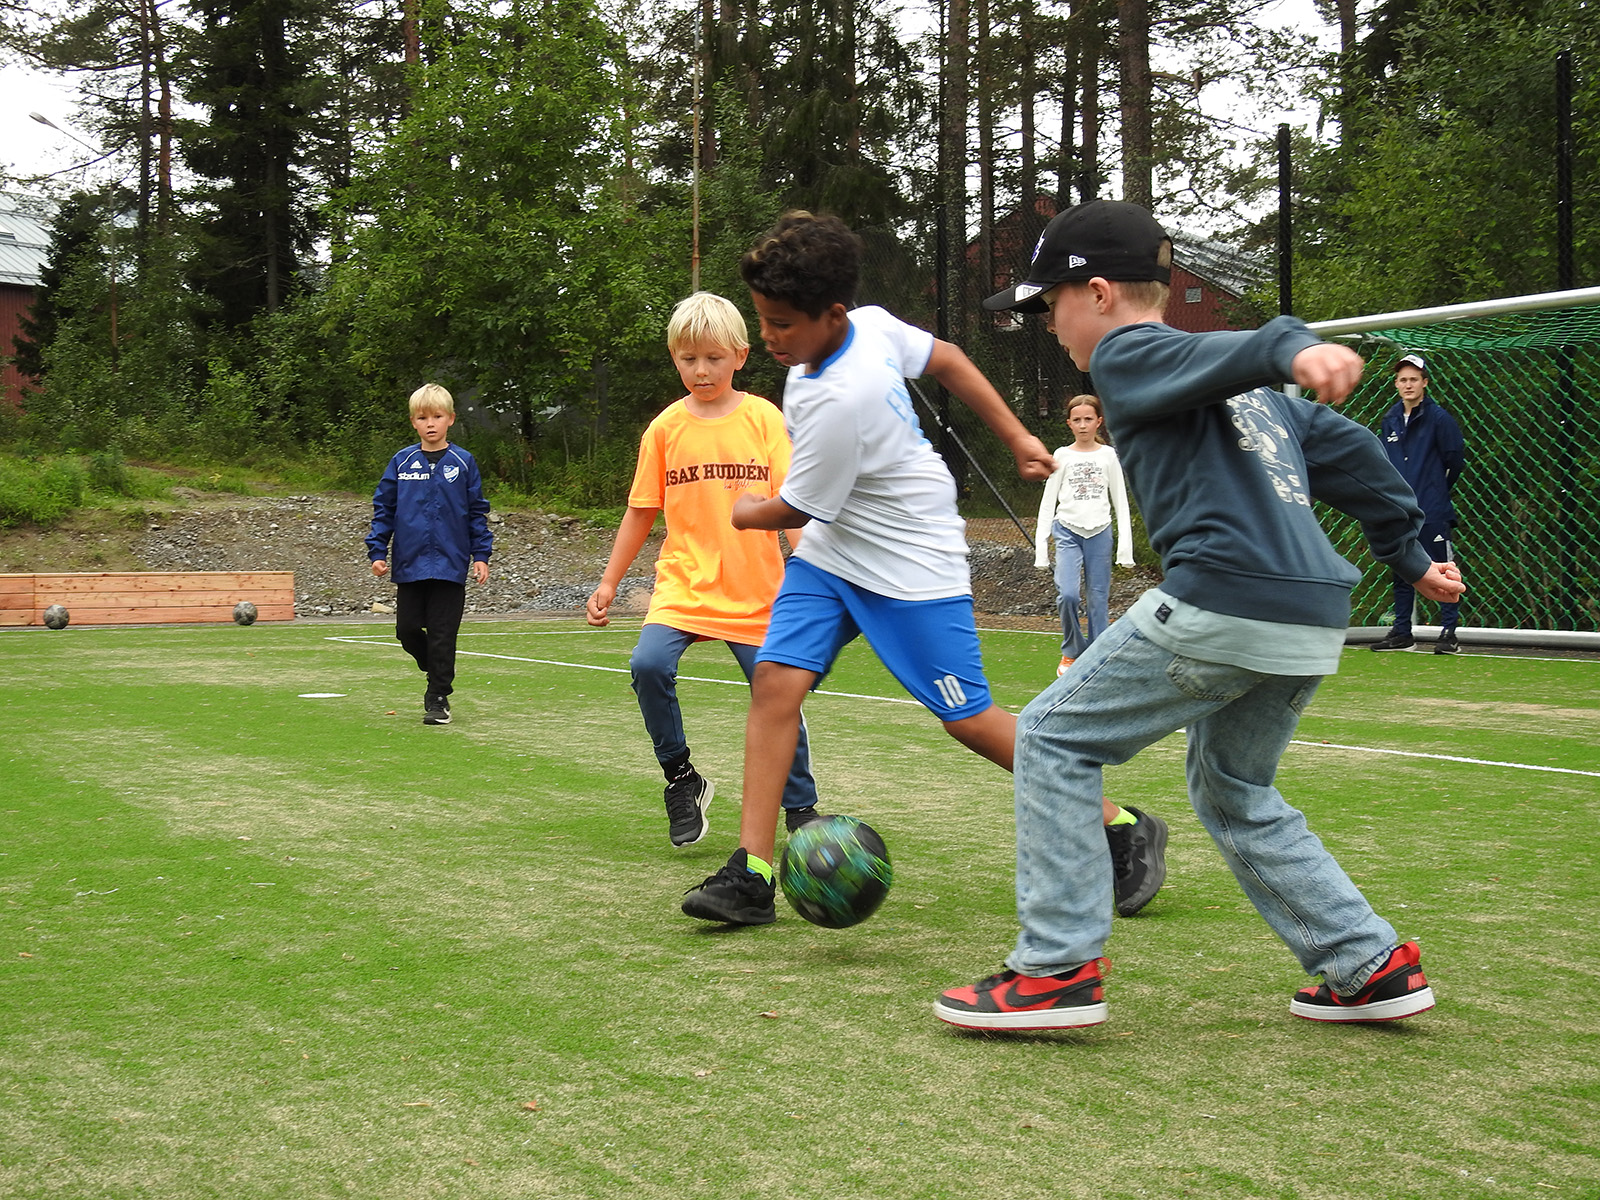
[[930, 646]]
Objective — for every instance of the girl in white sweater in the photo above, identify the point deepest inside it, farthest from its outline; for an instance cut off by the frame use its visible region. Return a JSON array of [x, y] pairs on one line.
[[1079, 502]]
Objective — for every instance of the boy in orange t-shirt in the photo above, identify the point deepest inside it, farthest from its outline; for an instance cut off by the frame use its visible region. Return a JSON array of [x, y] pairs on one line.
[[712, 581]]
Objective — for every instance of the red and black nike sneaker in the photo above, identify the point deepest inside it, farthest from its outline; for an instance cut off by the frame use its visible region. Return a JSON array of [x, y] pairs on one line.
[[1011, 1001], [1397, 989]]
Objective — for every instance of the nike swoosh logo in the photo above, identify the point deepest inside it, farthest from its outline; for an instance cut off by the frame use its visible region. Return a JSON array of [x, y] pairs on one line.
[[1016, 998]]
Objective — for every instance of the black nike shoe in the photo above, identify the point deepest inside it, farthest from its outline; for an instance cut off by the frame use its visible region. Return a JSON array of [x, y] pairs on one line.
[[1447, 643], [1010, 1001], [794, 818], [688, 800], [1395, 641], [435, 709], [734, 895], [1397, 989], [1138, 860]]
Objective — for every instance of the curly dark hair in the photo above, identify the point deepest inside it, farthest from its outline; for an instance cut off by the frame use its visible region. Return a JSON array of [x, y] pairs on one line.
[[809, 262]]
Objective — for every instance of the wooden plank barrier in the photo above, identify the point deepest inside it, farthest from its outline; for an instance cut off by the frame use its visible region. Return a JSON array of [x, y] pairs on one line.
[[146, 597]]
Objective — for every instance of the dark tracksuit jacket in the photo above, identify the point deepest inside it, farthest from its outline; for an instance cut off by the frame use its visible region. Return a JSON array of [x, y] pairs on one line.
[[1429, 452], [435, 514]]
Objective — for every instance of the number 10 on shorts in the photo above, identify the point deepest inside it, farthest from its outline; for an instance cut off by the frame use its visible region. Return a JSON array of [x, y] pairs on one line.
[[951, 691]]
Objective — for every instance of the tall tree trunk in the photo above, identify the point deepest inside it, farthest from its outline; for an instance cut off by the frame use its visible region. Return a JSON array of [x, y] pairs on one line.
[[709, 41], [1027, 87], [983, 62], [953, 185], [1133, 44], [1349, 72]]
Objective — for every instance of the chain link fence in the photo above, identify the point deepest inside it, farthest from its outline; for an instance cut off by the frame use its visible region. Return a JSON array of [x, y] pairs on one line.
[[1525, 388]]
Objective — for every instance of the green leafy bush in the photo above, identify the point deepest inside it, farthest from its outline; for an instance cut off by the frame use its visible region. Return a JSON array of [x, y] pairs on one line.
[[40, 493]]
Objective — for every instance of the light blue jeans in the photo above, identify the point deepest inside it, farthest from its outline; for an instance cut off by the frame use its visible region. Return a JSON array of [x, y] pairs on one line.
[[655, 682], [1092, 557], [1123, 695]]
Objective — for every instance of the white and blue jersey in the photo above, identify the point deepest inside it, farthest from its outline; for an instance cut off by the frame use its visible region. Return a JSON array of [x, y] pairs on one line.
[[882, 501], [433, 512]]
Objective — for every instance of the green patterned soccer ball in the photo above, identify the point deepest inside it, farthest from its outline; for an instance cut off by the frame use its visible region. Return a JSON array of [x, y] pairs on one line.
[[244, 613], [835, 871], [56, 617]]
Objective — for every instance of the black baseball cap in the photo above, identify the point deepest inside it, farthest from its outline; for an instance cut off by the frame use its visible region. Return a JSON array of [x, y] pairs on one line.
[[1109, 238]]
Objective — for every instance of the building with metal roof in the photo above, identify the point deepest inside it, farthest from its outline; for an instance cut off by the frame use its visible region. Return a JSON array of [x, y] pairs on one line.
[[24, 250]]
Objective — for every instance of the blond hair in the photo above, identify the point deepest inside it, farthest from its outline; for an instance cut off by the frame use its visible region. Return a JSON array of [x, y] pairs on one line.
[[707, 319], [431, 398]]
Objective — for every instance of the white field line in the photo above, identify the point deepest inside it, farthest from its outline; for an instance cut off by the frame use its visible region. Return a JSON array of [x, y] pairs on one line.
[[551, 662], [555, 662]]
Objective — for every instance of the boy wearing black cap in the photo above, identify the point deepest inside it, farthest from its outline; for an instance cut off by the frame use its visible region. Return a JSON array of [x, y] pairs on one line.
[[1232, 644], [1425, 445]]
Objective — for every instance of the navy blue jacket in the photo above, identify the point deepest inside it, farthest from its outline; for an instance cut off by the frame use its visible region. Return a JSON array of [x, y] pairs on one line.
[[1429, 452], [1225, 469], [435, 514]]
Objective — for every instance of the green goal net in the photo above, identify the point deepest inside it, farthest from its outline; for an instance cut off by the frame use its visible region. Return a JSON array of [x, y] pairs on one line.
[[1522, 378]]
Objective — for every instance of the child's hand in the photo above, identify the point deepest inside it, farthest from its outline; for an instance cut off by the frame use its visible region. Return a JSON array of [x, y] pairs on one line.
[[1329, 369], [1034, 461], [599, 604], [480, 572], [1442, 582], [379, 567]]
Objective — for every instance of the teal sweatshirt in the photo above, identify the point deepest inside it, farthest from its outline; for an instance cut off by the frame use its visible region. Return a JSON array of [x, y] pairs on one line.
[[1224, 470]]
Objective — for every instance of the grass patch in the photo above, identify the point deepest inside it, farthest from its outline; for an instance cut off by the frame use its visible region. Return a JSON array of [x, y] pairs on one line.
[[259, 945]]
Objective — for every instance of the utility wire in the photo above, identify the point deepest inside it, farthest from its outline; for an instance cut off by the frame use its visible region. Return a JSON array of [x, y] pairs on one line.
[[1027, 538]]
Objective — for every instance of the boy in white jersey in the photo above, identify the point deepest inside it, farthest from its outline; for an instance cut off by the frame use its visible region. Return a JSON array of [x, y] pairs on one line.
[[885, 552]]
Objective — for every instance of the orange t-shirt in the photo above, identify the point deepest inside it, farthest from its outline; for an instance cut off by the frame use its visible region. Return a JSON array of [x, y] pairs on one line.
[[713, 579]]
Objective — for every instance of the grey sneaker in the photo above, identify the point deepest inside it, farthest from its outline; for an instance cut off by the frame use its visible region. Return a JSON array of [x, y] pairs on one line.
[[435, 710], [687, 801], [734, 895], [1138, 860]]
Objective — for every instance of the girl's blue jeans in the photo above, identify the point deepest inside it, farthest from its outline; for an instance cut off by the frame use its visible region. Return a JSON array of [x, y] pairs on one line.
[[655, 682], [1090, 556], [1127, 693]]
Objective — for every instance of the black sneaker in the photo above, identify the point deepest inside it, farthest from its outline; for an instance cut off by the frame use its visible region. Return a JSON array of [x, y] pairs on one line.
[[734, 896], [1138, 860], [794, 818], [1395, 641], [1010, 1001], [1398, 989], [435, 710], [687, 801], [1447, 643]]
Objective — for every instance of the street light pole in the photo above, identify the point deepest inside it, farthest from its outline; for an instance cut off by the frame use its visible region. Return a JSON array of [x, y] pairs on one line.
[[111, 229]]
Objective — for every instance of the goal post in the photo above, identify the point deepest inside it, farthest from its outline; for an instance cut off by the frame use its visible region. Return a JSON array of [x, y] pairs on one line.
[[1522, 378]]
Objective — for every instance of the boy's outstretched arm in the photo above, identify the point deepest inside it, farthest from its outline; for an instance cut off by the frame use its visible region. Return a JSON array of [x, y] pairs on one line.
[[631, 535], [950, 365], [751, 511]]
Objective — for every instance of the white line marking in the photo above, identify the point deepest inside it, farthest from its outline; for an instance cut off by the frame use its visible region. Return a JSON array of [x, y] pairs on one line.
[[554, 662], [550, 662], [1476, 762]]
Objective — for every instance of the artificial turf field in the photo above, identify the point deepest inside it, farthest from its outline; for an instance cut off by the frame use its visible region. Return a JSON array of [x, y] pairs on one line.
[[259, 945]]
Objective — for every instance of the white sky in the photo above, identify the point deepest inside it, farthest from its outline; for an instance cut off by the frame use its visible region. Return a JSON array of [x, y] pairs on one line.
[[31, 148]]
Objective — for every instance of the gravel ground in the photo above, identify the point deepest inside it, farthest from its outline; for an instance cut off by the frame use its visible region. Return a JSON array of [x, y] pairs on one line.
[[542, 563]]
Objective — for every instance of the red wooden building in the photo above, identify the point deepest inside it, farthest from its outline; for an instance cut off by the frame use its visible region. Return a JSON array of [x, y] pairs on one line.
[[24, 248], [1208, 277]]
